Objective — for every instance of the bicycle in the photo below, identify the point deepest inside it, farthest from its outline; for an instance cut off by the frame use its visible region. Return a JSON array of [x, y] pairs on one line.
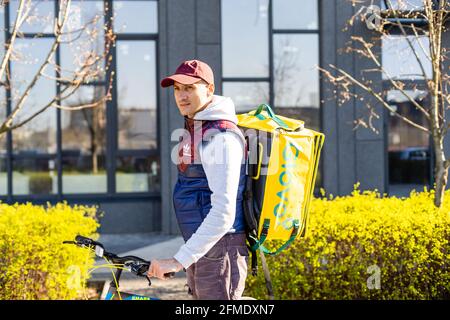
[[135, 265]]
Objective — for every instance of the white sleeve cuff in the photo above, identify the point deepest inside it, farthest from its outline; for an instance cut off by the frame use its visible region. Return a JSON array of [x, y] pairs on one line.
[[184, 257]]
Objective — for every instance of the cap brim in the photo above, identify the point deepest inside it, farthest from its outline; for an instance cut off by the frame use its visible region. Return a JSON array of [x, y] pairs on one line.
[[181, 78]]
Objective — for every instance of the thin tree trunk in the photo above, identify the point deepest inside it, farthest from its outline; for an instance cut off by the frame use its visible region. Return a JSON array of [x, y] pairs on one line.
[[441, 175], [94, 161], [94, 140]]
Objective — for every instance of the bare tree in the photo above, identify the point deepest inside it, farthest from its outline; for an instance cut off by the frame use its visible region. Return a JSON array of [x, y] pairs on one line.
[[434, 16], [88, 64]]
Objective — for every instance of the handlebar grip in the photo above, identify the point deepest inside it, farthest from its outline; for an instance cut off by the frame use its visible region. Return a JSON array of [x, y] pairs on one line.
[[81, 240]]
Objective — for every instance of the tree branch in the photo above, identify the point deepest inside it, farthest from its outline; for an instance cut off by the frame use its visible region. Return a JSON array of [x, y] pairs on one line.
[[374, 94], [394, 83], [20, 18]]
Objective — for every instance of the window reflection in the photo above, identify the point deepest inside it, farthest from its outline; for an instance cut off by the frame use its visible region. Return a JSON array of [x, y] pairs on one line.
[[246, 95], [84, 143], [245, 48], [136, 80], [296, 77], [409, 154], [38, 135], [35, 175], [294, 14], [399, 60], [402, 4], [40, 18], [135, 16], [3, 170], [138, 174], [2, 112], [84, 37]]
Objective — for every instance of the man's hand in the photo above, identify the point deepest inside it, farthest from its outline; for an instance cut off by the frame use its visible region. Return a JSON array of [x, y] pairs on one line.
[[159, 267]]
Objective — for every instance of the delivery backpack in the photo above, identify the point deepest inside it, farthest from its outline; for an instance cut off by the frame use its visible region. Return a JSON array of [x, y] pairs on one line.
[[281, 167]]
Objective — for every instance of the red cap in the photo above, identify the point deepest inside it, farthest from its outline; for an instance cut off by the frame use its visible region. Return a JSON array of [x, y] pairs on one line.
[[190, 72]]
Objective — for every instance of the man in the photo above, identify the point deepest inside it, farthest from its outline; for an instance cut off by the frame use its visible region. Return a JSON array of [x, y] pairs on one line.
[[208, 195]]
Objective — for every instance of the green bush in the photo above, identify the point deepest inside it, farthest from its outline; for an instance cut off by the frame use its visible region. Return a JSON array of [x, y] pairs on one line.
[[350, 239], [40, 183], [34, 264]]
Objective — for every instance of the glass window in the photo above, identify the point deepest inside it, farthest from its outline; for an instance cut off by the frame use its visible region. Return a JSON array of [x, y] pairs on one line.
[[135, 16], [35, 175], [84, 143], [408, 147], [246, 95], [136, 81], [294, 14], [40, 17], [296, 77], [84, 38], [36, 140], [402, 4], [138, 174], [38, 135], [399, 60], [245, 47], [85, 13]]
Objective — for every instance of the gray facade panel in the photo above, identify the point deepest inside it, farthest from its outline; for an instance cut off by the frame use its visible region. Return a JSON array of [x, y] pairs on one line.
[[181, 31], [370, 164], [329, 108], [130, 217], [343, 144], [345, 112], [211, 55], [167, 109], [363, 73], [178, 37], [208, 21], [370, 142], [188, 30]]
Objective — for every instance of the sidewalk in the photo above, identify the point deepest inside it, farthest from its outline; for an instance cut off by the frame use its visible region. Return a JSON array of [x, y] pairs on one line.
[[147, 246]]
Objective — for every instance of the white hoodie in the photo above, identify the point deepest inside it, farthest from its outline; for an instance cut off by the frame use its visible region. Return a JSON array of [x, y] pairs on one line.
[[223, 180]]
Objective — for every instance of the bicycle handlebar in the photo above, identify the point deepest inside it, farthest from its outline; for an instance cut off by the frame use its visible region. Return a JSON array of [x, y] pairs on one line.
[[137, 265]]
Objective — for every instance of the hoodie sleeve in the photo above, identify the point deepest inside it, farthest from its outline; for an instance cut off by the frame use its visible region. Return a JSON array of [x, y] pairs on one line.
[[221, 160]]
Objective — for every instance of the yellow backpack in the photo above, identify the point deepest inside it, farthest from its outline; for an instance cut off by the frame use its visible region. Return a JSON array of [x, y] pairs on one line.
[[282, 161]]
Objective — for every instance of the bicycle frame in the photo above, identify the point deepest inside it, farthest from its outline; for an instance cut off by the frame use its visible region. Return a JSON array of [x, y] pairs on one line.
[[115, 294]]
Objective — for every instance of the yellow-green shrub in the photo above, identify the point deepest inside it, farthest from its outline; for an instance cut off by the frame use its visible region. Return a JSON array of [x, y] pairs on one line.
[[349, 237], [34, 264]]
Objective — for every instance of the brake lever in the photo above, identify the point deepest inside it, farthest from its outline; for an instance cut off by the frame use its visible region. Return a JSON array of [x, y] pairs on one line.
[[149, 280]]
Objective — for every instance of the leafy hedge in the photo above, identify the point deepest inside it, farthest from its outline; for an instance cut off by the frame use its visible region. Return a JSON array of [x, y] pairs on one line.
[[353, 239], [34, 264]]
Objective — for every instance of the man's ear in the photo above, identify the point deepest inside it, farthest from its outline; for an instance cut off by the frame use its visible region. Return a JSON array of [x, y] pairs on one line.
[[211, 89]]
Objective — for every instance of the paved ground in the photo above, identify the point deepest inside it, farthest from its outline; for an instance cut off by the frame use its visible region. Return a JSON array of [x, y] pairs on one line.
[[148, 246]]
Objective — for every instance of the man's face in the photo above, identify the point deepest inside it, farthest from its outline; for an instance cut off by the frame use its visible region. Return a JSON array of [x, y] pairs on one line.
[[191, 98]]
